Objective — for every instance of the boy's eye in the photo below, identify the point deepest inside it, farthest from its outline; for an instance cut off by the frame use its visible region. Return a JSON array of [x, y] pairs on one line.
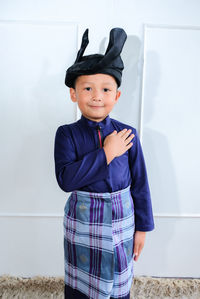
[[89, 88]]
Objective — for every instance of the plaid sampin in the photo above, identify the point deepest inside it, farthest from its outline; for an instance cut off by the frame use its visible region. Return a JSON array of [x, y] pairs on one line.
[[98, 243]]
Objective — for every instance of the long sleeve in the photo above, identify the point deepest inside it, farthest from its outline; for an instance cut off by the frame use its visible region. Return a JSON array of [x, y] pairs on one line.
[[140, 188], [71, 173]]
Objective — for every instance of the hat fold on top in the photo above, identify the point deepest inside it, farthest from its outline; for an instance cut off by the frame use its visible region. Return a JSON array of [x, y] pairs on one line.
[[115, 45], [110, 63], [84, 43]]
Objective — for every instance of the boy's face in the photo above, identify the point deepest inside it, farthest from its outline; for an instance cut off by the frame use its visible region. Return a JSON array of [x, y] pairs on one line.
[[96, 95]]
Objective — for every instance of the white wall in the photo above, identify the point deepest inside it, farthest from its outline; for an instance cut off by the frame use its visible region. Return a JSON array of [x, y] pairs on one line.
[[39, 40]]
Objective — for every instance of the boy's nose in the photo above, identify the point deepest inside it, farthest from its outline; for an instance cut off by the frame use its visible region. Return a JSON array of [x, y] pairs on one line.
[[96, 97], [97, 94]]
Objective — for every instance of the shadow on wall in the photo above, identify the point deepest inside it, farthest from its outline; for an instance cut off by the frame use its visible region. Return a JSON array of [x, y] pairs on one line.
[[130, 87], [161, 174], [160, 167]]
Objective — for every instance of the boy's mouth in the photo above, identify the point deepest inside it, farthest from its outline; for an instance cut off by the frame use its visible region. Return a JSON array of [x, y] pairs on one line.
[[96, 106]]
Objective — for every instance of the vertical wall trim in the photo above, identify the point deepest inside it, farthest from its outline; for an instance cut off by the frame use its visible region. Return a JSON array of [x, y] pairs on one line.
[[142, 87]]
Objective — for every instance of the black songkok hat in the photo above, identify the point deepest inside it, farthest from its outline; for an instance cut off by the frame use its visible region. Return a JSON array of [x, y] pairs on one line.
[[110, 63]]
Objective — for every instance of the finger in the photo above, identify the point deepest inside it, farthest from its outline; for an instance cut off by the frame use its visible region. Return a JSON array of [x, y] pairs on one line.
[[126, 134], [138, 252], [114, 132], [122, 132], [129, 145], [136, 257], [135, 252], [127, 140], [136, 248]]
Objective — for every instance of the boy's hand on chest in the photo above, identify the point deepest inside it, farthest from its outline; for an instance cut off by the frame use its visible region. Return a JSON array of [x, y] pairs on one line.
[[116, 144]]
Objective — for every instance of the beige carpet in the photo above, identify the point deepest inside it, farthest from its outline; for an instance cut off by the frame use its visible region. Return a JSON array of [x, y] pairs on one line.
[[143, 287]]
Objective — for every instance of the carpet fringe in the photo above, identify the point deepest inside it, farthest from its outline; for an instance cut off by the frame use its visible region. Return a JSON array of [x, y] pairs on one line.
[[43, 287]]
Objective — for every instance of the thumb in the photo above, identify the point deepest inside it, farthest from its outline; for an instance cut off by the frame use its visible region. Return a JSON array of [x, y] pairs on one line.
[[136, 249], [114, 132]]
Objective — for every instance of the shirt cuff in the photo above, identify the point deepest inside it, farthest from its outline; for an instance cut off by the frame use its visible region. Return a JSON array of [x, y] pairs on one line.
[[145, 228]]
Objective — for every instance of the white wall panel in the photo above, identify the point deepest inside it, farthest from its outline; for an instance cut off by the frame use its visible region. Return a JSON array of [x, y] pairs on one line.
[[172, 250], [31, 246], [34, 101], [170, 117]]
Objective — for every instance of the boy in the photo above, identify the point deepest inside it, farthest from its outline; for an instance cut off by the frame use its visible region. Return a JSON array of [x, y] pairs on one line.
[[100, 161]]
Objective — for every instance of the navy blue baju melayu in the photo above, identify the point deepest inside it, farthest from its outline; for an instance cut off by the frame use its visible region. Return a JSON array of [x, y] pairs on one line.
[[81, 168]]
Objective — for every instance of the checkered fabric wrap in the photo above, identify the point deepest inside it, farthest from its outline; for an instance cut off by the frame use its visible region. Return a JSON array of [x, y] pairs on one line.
[[98, 243]]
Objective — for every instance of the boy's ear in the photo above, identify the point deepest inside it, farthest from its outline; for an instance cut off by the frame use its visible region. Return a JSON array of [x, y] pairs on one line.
[[118, 95], [73, 94]]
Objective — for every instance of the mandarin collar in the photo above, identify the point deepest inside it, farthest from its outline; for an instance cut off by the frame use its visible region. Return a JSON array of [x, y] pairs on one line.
[[102, 124]]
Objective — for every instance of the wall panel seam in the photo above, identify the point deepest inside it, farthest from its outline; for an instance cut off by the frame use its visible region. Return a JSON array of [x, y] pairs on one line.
[[57, 215]]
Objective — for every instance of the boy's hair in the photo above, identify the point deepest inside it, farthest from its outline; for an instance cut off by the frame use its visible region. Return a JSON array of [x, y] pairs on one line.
[[110, 63]]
